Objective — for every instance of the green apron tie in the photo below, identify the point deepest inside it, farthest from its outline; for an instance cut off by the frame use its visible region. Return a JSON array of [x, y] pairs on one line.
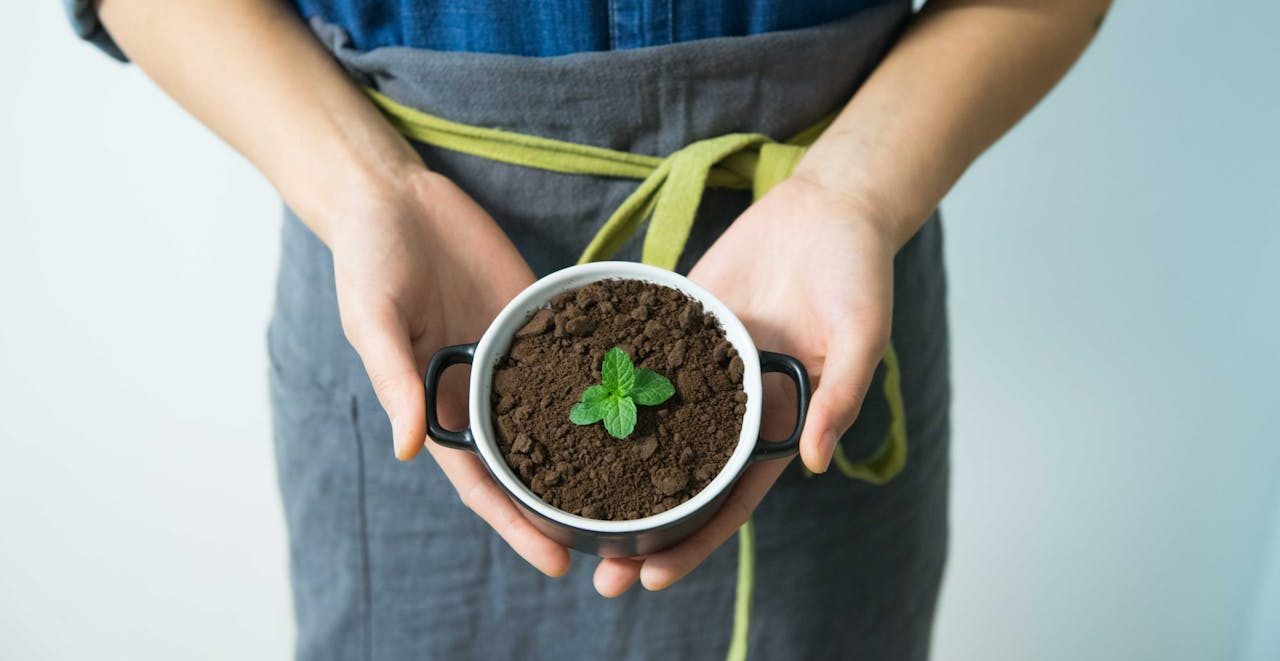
[[668, 197], [672, 192]]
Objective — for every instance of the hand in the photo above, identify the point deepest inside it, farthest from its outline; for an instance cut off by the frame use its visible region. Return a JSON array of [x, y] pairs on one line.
[[810, 273], [419, 267]]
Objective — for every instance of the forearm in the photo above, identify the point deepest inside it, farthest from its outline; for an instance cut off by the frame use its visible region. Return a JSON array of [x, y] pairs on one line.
[[962, 74], [251, 71]]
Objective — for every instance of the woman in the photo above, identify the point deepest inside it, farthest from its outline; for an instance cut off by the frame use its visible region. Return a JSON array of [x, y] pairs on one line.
[[394, 248]]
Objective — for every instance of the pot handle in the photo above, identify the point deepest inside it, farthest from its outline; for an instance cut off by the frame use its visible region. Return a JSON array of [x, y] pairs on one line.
[[794, 369], [442, 360]]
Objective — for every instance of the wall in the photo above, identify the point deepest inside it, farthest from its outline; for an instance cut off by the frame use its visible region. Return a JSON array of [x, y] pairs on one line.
[[1114, 267], [137, 489], [1114, 264]]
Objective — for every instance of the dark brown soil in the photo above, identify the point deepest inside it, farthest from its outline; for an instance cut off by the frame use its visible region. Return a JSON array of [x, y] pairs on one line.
[[677, 447]]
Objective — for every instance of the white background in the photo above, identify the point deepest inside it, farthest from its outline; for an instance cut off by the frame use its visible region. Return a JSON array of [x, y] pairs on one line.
[[1115, 264]]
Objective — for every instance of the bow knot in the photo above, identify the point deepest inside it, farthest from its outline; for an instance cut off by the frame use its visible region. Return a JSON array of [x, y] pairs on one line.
[[670, 195]]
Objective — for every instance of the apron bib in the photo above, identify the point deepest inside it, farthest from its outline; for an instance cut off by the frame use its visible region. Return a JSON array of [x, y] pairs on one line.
[[387, 564]]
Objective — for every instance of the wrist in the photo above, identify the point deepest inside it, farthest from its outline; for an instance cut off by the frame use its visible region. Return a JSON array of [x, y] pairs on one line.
[[870, 209], [878, 182], [342, 196]]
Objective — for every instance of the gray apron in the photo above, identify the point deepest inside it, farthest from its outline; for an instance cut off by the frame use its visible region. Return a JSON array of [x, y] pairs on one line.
[[388, 564]]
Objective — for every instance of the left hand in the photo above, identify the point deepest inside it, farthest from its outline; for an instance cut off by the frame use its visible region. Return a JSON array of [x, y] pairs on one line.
[[810, 273]]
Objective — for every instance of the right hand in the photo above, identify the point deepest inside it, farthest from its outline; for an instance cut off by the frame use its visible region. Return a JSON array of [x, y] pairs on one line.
[[418, 267]]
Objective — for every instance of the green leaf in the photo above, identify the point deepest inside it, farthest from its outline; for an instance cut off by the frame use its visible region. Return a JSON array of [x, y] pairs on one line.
[[651, 388], [590, 409], [620, 416], [617, 373], [594, 395], [582, 414]]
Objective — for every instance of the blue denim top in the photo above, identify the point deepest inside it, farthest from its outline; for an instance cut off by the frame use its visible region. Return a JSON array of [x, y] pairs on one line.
[[537, 27], [542, 27]]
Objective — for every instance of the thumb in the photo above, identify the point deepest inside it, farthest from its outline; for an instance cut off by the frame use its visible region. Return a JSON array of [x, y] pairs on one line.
[[846, 374], [382, 340]]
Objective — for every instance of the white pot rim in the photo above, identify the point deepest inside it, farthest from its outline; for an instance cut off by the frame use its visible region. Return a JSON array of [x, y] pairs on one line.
[[497, 338]]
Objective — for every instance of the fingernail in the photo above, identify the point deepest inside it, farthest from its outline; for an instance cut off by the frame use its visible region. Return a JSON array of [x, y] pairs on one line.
[[653, 583], [557, 570], [825, 449], [397, 438]]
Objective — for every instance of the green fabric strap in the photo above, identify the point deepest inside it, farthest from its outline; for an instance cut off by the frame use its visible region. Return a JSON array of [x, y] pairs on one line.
[[738, 639], [889, 460], [668, 197], [669, 193]]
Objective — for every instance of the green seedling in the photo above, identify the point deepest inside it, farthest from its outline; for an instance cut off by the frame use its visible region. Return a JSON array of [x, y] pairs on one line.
[[621, 388]]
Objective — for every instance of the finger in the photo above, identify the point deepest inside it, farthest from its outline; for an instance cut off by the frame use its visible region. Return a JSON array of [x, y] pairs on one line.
[[483, 496], [851, 362], [614, 576], [660, 570], [382, 340]]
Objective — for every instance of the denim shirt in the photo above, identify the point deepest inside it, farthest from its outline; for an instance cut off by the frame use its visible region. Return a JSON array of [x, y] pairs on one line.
[[536, 27]]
